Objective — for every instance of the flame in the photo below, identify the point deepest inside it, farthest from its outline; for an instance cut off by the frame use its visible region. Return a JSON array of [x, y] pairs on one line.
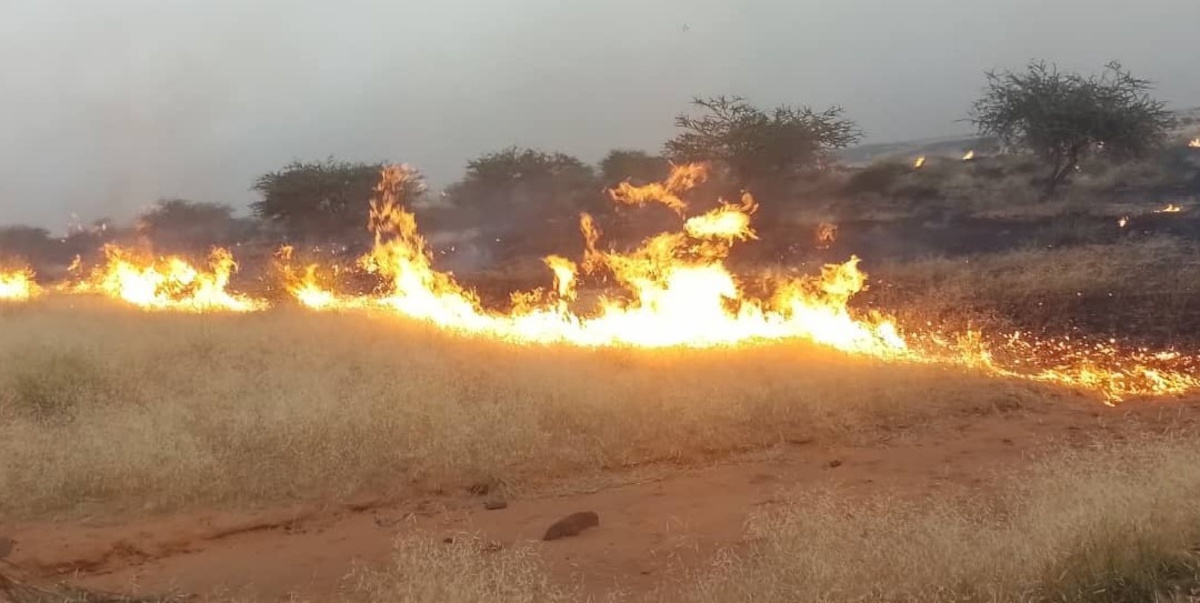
[[682, 178], [168, 283], [305, 286], [919, 163], [18, 285], [675, 290], [1123, 221], [1169, 208], [826, 235], [969, 155], [1194, 143]]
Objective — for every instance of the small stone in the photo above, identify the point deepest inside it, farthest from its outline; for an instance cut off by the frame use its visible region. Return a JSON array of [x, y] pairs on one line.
[[834, 464], [495, 505]]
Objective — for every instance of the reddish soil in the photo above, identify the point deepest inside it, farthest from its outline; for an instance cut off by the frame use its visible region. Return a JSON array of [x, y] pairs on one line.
[[654, 524]]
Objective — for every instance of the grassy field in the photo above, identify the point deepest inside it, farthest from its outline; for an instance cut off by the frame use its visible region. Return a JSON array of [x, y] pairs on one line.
[[114, 412], [108, 409]]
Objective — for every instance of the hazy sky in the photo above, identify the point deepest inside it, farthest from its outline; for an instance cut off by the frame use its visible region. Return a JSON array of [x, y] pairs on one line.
[[107, 106]]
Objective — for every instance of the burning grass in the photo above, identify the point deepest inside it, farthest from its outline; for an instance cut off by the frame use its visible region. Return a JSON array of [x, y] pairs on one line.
[[109, 407]]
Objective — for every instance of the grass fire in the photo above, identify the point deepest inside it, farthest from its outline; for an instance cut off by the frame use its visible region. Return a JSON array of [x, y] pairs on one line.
[[779, 358]]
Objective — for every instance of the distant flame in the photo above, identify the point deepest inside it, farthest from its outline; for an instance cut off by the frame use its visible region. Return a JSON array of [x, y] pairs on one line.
[[1170, 208], [919, 163], [969, 156], [168, 283], [18, 285], [1194, 143], [1123, 221]]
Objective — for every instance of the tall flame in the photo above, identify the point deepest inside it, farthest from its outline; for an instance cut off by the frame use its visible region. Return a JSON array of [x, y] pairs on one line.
[[18, 285], [167, 283]]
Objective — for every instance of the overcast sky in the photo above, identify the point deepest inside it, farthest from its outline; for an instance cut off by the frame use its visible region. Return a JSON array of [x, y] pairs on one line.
[[107, 106]]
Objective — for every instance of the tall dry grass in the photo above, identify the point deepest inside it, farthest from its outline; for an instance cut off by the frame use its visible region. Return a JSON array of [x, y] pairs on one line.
[[104, 408], [1119, 525]]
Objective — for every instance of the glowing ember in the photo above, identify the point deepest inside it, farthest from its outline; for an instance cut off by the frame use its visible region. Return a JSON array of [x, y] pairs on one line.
[[1170, 208], [17, 285], [919, 163], [969, 156], [169, 283], [826, 235]]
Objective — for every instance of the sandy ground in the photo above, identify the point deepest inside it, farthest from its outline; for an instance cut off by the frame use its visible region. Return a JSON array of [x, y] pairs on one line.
[[657, 523]]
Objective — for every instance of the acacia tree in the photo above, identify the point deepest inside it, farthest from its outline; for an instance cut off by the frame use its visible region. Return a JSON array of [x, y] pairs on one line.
[[760, 148], [638, 167], [315, 201], [514, 189], [188, 225], [1065, 117], [515, 183]]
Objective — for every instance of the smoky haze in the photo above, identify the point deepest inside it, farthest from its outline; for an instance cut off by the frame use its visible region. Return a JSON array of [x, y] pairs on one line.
[[109, 106]]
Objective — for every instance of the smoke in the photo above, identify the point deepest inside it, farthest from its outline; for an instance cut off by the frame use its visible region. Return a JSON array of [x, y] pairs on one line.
[[108, 106]]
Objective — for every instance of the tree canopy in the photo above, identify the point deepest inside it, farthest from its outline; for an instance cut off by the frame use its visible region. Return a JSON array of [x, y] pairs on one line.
[[519, 183], [189, 225], [319, 200], [756, 145], [1064, 117], [637, 167]]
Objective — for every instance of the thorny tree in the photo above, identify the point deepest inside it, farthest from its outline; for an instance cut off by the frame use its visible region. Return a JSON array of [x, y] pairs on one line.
[[1065, 117], [760, 147]]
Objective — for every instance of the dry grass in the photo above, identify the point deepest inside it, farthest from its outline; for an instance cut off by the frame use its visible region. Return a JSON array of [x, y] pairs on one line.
[[424, 570], [1120, 524], [1144, 286], [105, 409]]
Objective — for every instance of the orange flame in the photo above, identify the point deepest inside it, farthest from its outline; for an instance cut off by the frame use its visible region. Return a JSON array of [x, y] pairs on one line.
[[169, 283], [1169, 208], [18, 285], [969, 155], [919, 163], [1194, 143], [677, 291]]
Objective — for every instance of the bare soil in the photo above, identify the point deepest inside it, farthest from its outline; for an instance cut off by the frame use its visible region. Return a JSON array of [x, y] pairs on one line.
[[657, 523]]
